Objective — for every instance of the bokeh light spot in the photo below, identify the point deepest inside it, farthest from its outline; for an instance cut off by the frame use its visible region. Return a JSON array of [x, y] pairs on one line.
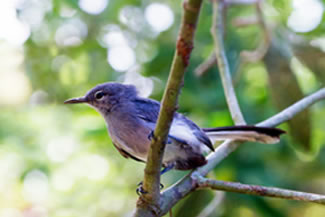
[[62, 180], [121, 58], [93, 6], [132, 17], [67, 12], [14, 84], [114, 38], [33, 12], [61, 148], [306, 15], [159, 16], [11, 28], [11, 167], [143, 84], [71, 33], [96, 166], [36, 187]]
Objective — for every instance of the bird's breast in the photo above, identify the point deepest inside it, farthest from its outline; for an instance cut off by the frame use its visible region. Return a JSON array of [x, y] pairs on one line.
[[130, 135]]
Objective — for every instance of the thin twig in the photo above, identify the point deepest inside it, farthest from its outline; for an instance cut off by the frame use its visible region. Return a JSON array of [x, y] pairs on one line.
[[220, 153], [291, 111], [206, 65], [260, 51], [259, 190], [217, 30], [149, 204]]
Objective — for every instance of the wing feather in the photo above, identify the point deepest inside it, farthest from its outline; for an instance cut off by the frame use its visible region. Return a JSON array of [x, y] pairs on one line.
[[182, 128]]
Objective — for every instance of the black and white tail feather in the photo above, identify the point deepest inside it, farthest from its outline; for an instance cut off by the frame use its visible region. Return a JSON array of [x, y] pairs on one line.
[[265, 135]]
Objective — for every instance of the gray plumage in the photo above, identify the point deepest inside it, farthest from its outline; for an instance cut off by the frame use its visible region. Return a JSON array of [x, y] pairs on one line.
[[131, 120]]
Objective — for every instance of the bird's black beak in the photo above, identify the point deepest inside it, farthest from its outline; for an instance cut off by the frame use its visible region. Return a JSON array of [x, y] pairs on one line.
[[76, 100]]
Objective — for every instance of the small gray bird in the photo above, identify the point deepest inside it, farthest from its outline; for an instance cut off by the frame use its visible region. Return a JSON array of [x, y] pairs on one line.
[[131, 121]]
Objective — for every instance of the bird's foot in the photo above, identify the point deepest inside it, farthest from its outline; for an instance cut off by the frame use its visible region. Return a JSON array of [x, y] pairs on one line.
[[151, 135], [140, 191]]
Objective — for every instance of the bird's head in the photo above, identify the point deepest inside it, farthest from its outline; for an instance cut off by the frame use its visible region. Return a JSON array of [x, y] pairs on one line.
[[104, 97]]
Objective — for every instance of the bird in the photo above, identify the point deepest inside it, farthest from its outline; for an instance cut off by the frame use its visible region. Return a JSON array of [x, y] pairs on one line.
[[131, 121]]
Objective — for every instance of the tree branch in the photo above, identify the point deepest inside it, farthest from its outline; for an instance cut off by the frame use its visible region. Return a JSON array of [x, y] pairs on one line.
[[206, 65], [148, 204], [259, 190], [182, 188], [224, 70], [291, 111], [246, 55]]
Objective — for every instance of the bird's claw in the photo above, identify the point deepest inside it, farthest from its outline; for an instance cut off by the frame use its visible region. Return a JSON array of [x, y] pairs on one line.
[[140, 191], [151, 135]]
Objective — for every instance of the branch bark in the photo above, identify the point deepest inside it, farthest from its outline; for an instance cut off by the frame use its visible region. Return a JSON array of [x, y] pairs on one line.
[[260, 190], [149, 204]]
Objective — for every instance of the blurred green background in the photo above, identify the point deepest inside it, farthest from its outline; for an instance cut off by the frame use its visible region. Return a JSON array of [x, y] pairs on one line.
[[58, 161]]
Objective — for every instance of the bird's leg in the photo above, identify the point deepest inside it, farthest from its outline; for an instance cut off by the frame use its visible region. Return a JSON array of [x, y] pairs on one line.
[[167, 168], [140, 189]]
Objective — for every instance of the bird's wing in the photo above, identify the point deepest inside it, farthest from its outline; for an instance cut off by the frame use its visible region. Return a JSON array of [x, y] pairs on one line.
[[187, 130], [183, 130], [147, 109]]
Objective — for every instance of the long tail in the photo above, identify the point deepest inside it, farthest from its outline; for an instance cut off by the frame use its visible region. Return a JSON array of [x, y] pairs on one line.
[[266, 135]]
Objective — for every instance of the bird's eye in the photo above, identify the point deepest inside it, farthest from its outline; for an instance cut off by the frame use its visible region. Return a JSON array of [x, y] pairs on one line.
[[99, 95]]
